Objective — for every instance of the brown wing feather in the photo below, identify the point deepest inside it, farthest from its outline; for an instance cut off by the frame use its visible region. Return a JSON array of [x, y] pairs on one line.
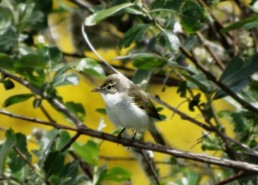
[[142, 101]]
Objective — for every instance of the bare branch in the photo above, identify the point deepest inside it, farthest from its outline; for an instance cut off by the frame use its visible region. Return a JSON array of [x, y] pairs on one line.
[[147, 146]]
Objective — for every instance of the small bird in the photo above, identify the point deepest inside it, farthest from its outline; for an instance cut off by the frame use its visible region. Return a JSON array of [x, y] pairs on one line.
[[128, 106]]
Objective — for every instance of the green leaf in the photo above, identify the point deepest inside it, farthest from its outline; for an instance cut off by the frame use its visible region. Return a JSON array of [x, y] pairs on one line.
[[142, 77], [116, 174], [6, 148], [199, 81], [77, 109], [102, 111], [241, 124], [63, 138], [191, 16], [6, 62], [90, 67], [194, 102], [148, 61], [69, 174], [17, 164], [168, 4], [209, 143], [8, 39], [247, 23], [236, 74], [37, 102], [16, 99], [31, 61], [135, 33], [8, 84], [103, 14], [54, 163], [182, 88], [192, 177], [89, 152], [172, 41], [62, 77], [54, 56]]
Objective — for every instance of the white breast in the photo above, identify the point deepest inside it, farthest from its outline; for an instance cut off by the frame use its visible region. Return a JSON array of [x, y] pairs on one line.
[[123, 112]]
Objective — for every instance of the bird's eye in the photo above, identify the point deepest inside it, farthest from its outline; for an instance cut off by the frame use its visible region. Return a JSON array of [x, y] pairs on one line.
[[109, 87]]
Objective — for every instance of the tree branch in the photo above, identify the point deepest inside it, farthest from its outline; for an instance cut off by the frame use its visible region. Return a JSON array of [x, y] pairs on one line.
[[56, 103], [146, 146], [212, 78]]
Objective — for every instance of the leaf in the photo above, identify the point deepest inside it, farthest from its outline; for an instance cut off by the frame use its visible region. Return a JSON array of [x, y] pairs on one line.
[[31, 61], [54, 56], [63, 138], [182, 88], [116, 174], [247, 23], [37, 102], [16, 99], [241, 124], [77, 109], [54, 163], [6, 148], [6, 62], [17, 165], [199, 81], [168, 4], [135, 33], [172, 41], [89, 152], [191, 16], [103, 14], [148, 61], [90, 67], [8, 84], [69, 174], [194, 102], [62, 77], [102, 111], [193, 178], [142, 77], [236, 74]]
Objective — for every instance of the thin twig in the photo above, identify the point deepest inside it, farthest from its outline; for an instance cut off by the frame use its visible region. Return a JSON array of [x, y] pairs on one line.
[[213, 55], [84, 166], [49, 117], [150, 168], [212, 78], [182, 115], [238, 176], [86, 38], [70, 142], [24, 158], [56, 103]]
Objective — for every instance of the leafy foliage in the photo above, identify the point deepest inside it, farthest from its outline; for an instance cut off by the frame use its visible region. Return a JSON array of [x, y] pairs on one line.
[[157, 36]]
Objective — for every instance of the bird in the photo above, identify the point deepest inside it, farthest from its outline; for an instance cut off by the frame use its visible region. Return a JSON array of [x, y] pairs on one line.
[[128, 106]]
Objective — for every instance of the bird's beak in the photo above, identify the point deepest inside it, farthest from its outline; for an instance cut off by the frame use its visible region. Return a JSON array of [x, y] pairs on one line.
[[96, 90]]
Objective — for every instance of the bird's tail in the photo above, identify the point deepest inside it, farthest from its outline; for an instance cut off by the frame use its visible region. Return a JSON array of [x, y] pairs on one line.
[[157, 136]]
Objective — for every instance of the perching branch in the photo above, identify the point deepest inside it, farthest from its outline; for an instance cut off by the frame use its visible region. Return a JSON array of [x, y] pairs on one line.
[[146, 146]]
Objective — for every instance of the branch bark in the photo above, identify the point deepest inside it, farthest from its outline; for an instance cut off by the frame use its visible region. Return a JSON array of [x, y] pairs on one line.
[[239, 165]]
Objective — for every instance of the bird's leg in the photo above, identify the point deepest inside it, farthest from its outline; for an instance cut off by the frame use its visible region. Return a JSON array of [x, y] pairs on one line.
[[133, 138], [119, 136]]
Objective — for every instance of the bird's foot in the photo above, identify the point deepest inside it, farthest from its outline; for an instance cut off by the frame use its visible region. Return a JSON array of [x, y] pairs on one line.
[[119, 136]]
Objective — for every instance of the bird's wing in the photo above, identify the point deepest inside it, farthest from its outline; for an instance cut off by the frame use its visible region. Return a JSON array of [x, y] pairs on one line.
[[143, 101]]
